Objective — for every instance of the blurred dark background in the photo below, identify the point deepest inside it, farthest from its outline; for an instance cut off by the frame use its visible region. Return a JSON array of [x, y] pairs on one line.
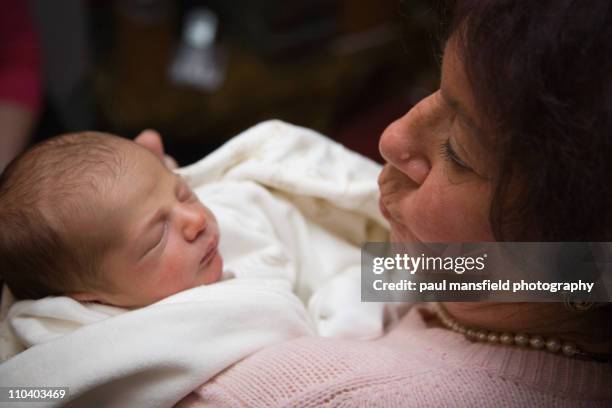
[[200, 72]]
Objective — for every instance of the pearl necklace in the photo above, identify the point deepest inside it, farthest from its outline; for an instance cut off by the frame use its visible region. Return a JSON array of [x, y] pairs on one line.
[[534, 341]]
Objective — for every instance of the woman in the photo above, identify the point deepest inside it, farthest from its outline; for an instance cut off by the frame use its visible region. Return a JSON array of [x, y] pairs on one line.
[[516, 145]]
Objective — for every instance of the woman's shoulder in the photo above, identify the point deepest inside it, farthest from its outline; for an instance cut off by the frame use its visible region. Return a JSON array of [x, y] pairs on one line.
[[413, 365], [308, 371]]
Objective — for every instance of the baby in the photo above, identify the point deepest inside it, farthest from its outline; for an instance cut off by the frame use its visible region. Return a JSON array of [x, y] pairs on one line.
[[101, 219]]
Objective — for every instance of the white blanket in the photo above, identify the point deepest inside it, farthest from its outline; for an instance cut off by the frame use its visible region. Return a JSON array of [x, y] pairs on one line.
[[293, 209]]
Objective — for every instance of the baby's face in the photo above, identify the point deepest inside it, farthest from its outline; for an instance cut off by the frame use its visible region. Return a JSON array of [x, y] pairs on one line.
[[167, 238]]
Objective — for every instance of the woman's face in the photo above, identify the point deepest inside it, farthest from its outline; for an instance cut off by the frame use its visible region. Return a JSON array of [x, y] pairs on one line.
[[436, 184]]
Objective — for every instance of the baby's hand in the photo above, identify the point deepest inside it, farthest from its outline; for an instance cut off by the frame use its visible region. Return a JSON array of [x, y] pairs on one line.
[[152, 140]]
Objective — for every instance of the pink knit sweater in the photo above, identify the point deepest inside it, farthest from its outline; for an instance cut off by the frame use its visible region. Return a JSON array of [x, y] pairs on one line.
[[417, 364]]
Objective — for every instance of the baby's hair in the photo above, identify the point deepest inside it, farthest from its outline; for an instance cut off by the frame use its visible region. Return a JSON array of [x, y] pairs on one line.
[[47, 194]]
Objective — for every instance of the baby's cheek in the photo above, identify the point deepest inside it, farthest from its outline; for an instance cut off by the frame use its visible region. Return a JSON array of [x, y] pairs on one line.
[[169, 271]]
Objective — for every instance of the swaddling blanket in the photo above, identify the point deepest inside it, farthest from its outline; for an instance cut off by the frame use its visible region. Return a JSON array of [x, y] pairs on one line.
[[293, 209]]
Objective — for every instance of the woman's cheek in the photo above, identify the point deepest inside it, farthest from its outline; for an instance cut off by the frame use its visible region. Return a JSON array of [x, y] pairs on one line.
[[460, 214], [427, 215], [436, 213]]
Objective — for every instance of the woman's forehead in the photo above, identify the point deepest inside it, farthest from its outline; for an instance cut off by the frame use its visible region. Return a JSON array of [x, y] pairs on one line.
[[455, 87], [457, 93]]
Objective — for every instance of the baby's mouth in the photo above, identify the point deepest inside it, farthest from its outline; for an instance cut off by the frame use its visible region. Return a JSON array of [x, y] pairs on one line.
[[210, 252]]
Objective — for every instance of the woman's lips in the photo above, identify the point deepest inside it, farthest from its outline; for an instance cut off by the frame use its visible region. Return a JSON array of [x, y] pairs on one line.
[[399, 231], [383, 209]]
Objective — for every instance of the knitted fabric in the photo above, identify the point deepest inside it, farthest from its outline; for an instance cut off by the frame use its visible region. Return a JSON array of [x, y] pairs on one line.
[[416, 364]]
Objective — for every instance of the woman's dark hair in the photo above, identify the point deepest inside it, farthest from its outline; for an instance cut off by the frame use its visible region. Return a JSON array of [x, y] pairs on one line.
[[541, 75]]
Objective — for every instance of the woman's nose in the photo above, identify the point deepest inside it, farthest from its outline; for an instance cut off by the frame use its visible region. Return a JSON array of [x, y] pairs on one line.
[[401, 146], [194, 221]]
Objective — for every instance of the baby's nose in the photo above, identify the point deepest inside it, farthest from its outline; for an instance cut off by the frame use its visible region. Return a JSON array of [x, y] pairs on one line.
[[195, 222]]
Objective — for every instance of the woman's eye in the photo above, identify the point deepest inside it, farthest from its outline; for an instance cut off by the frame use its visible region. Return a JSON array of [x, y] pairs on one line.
[[449, 154]]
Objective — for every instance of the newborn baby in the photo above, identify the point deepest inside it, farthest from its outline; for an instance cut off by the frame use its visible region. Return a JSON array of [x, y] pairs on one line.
[[100, 218], [119, 254]]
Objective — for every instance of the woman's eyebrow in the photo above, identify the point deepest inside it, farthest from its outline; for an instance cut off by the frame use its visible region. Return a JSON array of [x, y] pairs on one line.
[[461, 112]]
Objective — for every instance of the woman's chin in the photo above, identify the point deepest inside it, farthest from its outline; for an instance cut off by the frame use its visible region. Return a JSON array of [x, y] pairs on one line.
[[400, 233]]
